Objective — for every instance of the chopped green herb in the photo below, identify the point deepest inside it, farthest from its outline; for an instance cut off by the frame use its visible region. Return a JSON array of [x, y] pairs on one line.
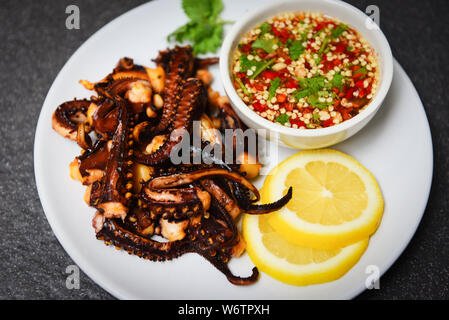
[[316, 117], [264, 28], [313, 101], [259, 69], [246, 64], [314, 84], [243, 87], [339, 30], [205, 28], [337, 81], [273, 86], [296, 49], [323, 45], [264, 44], [362, 71], [282, 119], [298, 94], [349, 48]]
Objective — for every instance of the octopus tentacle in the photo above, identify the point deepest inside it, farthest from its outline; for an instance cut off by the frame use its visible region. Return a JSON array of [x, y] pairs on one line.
[[175, 204], [178, 65], [115, 233], [113, 201], [226, 201], [186, 178], [191, 104], [137, 191], [68, 115]]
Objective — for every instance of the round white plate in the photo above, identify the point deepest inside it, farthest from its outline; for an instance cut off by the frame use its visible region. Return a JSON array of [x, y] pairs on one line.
[[396, 146]]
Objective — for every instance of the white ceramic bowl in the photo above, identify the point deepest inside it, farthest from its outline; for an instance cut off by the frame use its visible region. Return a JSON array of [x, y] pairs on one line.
[[314, 138]]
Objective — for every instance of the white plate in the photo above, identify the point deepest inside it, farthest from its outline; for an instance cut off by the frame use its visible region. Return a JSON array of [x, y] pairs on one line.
[[396, 146]]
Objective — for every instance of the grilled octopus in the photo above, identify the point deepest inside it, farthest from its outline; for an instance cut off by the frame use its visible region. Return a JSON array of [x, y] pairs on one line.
[[127, 132]]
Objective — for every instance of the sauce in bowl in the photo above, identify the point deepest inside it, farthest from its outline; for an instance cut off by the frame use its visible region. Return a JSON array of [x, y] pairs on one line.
[[305, 70]]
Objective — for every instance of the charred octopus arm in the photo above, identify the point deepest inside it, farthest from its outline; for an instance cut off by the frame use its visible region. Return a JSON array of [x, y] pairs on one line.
[[178, 64], [68, 116], [127, 133], [191, 106]]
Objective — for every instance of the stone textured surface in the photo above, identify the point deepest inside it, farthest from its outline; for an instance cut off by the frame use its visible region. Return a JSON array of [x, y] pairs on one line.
[[35, 45]]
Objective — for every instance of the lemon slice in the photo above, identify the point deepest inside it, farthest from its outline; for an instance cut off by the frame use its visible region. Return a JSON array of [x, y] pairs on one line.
[[293, 264], [336, 201]]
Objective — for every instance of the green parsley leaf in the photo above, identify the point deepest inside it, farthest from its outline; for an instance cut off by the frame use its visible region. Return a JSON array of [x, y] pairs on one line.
[[298, 94], [314, 84], [337, 81], [296, 49], [282, 119], [200, 10], [264, 44], [275, 83], [243, 87], [205, 28], [363, 71], [339, 30], [316, 117], [323, 45], [313, 101], [246, 64], [349, 48], [261, 68], [208, 43], [264, 28]]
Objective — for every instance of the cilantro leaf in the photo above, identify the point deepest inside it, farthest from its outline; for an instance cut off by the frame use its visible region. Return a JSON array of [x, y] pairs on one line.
[[200, 10], [313, 101], [361, 70], [273, 87], [243, 87], [209, 43], [282, 119], [264, 28], [298, 94], [339, 30], [262, 67], [246, 64], [296, 49], [337, 81], [205, 28], [314, 84], [264, 44], [323, 45], [216, 7]]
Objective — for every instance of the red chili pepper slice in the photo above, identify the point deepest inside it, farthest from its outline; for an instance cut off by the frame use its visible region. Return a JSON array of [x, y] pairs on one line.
[[298, 122], [267, 74], [327, 123], [288, 106], [258, 86], [259, 107], [350, 93], [281, 98], [291, 83]]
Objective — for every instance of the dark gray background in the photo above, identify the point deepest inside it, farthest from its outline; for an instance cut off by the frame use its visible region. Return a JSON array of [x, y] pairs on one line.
[[35, 45]]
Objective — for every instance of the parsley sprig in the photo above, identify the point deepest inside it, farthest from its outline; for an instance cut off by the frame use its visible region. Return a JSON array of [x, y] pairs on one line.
[[205, 28]]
